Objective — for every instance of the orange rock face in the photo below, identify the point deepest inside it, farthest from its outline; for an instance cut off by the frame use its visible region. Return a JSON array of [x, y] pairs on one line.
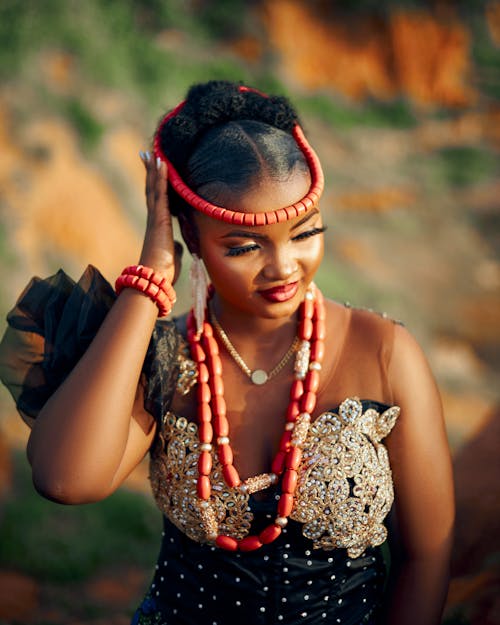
[[410, 53]]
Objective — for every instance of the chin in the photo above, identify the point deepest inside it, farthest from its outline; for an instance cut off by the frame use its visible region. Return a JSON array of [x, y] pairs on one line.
[[277, 310]]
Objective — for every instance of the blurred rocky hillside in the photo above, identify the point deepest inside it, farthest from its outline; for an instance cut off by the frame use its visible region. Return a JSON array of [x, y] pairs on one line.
[[400, 100]]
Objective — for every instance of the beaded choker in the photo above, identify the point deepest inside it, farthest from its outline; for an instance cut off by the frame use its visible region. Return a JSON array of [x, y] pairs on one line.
[[236, 217], [213, 423]]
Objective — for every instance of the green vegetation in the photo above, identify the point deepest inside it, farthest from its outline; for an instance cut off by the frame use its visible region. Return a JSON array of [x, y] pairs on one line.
[[396, 114], [87, 126], [486, 58], [111, 43], [68, 543], [463, 166]]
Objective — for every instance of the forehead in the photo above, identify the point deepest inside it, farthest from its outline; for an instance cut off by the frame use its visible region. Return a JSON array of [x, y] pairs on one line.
[[219, 229], [270, 195]]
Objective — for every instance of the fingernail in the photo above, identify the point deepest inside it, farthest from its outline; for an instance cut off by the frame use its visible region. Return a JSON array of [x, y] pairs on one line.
[[142, 155], [158, 162], [148, 156]]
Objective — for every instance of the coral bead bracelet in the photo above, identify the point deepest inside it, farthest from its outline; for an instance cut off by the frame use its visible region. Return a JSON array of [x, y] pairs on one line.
[[147, 281]]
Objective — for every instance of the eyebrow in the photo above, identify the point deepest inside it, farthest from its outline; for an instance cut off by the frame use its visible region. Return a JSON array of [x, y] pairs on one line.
[[255, 235]]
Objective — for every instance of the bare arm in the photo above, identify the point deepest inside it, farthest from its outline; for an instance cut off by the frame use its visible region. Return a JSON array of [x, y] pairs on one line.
[[94, 430], [423, 482]]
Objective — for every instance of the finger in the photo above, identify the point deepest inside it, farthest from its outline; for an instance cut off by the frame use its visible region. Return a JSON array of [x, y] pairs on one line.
[[161, 200], [150, 180]]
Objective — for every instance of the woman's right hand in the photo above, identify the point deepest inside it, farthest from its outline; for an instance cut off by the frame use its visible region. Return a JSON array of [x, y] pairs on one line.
[[159, 250]]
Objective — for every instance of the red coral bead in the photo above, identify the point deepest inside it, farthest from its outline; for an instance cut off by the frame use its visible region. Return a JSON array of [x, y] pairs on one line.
[[203, 487], [225, 454], [231, 476], [319, 331], [218, 213], [286, 437], [281, 215], [197, 352], [205, 432], [285, 504], [221, 425], [308, 402], [207, 329], [319, 310], [250, 543], [317, 351], [219, 405], [204, 413], [210, 345], [291, 211], [305, 329], [271, 218], [269, 534], [296, 390], [215, 364], [278, 463], [292, 411], [289, 482], [205, 463], [226, 542], [203, 392], [307, 308], [293, 458], [203, 375], [217, 385], [311, 383]]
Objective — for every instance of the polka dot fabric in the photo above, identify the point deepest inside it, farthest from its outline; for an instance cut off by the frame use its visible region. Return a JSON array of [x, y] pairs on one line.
[[287, 583]]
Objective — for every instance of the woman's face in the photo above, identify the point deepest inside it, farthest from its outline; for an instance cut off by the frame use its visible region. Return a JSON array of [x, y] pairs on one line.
[[265, 270]]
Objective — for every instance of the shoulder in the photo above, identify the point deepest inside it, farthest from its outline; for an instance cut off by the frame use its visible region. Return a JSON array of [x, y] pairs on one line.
[[409, 370], [361, 327], [371, 316]]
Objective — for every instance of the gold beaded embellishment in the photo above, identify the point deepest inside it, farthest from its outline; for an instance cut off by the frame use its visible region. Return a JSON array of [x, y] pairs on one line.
[[344, 489]]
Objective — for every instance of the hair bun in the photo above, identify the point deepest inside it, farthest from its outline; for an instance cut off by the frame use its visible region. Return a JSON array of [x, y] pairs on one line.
[[218, 102]]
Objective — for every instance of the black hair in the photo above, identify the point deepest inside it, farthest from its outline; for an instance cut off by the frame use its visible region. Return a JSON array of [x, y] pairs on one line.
[[223, 140]]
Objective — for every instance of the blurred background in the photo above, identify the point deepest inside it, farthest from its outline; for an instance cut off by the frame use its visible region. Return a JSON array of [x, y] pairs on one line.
[[400, 100]]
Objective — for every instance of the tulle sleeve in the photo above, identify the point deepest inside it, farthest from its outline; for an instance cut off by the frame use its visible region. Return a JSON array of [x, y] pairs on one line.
[[51, 326]]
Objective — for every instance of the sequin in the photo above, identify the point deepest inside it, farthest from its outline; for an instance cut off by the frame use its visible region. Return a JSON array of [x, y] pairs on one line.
[[345, 485], [344, 490]]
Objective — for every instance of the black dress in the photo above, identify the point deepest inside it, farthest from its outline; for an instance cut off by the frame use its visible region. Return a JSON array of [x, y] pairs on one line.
[[329, 565]]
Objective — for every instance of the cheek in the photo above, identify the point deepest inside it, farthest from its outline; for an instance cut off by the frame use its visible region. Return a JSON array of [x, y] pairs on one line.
[[314, 254], [225, 271]]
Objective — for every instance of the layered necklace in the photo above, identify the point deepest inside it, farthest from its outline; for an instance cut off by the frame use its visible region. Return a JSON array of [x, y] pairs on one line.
[[213, 426], [257, 376]]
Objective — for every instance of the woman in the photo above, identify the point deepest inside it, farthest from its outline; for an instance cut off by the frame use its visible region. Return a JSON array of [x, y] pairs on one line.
[[270, 471]]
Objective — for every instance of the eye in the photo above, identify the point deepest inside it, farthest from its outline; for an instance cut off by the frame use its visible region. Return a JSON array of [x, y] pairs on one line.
[[238, 251], [309, 233]]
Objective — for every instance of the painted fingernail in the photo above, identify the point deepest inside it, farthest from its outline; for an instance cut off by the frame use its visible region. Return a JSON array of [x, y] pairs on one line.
[[142, 155], [148, 156], [158, 162]]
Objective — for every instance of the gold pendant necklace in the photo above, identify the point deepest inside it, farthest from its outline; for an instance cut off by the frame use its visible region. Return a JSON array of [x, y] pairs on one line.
[[257, 376]]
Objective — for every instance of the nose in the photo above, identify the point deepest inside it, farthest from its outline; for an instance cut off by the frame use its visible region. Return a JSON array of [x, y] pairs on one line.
[[280, 264]]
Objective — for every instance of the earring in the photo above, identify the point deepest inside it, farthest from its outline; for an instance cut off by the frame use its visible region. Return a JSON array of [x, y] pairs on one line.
[[199, 288]]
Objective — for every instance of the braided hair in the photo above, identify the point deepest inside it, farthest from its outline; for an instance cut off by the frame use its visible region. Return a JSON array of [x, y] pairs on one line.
[[224, 140]]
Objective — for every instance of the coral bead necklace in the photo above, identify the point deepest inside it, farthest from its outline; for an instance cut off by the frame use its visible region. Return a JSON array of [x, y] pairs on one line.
[[213, 423]]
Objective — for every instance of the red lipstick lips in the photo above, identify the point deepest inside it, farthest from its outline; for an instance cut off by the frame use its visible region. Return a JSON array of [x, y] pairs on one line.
[[280, 293]]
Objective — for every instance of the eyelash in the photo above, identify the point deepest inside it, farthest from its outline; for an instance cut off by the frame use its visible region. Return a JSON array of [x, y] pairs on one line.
[[238, 251]]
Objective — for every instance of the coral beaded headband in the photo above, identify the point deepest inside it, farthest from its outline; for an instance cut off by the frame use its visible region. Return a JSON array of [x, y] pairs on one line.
[[236, 217]]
